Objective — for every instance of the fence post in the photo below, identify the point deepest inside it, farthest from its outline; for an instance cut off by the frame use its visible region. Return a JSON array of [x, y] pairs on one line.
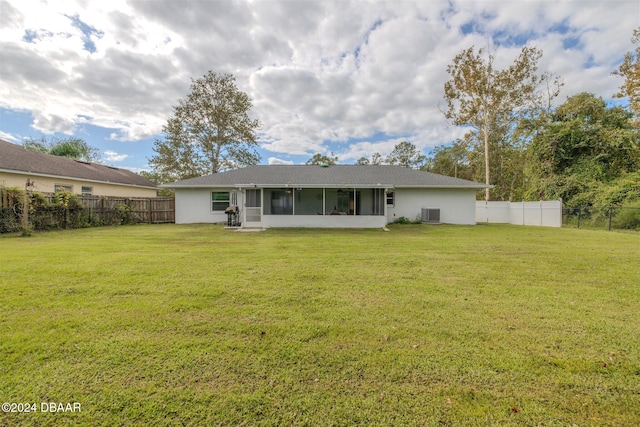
[[560, 204], [541, 215], [150, 202], [610, 212], [579, 215], [25, 211]]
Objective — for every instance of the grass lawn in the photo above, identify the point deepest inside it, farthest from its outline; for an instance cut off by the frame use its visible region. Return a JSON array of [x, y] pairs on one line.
[[423, 325]]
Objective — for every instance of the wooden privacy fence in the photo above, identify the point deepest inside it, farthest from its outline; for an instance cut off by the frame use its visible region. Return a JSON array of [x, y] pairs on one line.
[[20, 210], [150, 210]]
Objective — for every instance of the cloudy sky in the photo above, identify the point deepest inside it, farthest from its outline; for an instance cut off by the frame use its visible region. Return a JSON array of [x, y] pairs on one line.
[[349, 77]]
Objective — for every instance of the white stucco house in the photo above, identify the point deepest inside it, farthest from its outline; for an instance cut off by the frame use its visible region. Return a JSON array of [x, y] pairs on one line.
[[341, 196]]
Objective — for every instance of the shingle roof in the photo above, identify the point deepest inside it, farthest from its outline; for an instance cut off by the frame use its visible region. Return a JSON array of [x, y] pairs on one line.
[[16, 158], [332, 176]]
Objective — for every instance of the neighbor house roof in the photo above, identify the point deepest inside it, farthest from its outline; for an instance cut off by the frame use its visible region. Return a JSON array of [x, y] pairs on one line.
[[17, 159], [382, 176]]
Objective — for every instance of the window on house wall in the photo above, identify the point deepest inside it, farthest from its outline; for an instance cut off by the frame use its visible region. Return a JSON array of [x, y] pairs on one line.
[[87, 190], [278, 201], [390, 198], [219, 200], [61, 188]]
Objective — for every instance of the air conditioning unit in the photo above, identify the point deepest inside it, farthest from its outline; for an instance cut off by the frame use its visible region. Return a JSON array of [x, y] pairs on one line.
[[430, 215]]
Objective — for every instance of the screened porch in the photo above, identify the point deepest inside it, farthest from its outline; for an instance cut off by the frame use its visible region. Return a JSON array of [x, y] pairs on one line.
[[323, 201]]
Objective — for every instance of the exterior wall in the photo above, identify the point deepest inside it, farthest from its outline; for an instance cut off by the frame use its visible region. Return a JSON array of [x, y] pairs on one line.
[[47, 185], [324, 221], [457, 206], [543, 213], [193, 205]]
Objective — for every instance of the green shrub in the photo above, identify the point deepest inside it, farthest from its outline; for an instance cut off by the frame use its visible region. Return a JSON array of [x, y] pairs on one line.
[[405, 220], [628, 217], [125, 214], [26, 231], [9, 222]]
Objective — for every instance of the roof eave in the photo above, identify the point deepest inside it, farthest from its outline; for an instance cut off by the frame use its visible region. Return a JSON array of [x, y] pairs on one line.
[[19, 172], [288, 185], [346, 185], [468, 187]]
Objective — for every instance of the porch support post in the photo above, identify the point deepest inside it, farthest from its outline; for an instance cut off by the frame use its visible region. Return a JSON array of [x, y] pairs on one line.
[[355, 201], [384, 203], [324, 201], [243, 206]]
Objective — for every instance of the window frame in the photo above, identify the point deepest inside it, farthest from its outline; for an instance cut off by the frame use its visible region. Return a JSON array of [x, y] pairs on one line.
[[62, 188], [390, 198], [217, 203]]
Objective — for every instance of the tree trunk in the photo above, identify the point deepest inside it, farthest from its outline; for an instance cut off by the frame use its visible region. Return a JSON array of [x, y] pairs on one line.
[[487, 196]]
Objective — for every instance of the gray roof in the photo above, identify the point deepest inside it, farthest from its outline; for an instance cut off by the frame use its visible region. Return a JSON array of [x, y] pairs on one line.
[[17, 159], [382, 176]]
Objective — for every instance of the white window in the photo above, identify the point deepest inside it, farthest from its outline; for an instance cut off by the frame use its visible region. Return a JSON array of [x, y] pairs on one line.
[[390, 198], [87, 190], [61, 188], [219, 200]]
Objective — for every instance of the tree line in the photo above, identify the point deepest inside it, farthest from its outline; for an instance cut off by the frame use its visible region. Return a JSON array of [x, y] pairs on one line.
[[583, 151]]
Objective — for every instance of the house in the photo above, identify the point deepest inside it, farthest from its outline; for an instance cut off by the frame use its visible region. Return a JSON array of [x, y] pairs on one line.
[[51, 174], [345, 196]]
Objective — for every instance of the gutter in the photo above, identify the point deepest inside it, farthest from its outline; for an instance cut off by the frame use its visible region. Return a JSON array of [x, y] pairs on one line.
[[289, 185], [75, 178]]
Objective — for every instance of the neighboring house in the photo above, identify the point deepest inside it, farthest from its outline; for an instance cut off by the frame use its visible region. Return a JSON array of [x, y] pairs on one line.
[[50, 174], [325, 196]]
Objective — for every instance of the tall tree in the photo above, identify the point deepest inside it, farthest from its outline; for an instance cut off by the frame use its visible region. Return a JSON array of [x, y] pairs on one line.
[[491, 101], [71, 147], [319, 159], [210, 131], [407, 155], [584, 148], [450, 160], [376, 159], [630, 71]]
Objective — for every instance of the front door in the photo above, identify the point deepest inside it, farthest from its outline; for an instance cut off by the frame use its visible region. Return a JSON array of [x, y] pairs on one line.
[[253, 209]]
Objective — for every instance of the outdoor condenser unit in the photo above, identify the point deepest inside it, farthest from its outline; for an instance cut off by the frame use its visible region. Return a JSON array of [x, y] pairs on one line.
[[430, 215]]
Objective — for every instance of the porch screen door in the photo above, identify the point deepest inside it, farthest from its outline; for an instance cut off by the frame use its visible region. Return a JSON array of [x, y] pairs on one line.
[[253, 206]]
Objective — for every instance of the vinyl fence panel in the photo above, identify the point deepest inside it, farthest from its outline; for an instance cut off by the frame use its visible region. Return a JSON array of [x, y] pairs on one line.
[[542, 213]]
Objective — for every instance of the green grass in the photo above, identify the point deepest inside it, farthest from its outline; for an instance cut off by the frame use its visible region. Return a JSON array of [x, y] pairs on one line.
[[423, 325]]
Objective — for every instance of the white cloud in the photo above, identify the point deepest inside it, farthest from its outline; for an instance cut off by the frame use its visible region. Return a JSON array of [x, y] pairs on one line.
[[276, 161], [8, 137], [344, 76], [112, 156]]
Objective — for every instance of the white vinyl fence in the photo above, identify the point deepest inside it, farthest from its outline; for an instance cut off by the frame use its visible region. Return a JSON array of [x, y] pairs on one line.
[[544, 213]]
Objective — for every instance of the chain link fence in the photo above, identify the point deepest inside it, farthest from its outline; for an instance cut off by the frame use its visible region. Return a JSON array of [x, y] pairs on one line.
[[602, 218]]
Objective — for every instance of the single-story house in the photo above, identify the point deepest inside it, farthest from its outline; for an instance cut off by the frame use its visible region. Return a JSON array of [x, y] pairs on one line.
[[51, 174], [345, 196]]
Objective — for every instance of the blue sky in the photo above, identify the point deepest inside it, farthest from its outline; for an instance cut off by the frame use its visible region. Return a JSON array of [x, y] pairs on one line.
[[348, 77]]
